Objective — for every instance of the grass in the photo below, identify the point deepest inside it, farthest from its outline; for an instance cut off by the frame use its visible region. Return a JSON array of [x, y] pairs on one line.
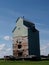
[[3, 62]]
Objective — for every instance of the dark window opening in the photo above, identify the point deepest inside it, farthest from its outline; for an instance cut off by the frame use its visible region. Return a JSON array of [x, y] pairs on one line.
[[19, 46], [20, 54], [17, 41], [20, 42]]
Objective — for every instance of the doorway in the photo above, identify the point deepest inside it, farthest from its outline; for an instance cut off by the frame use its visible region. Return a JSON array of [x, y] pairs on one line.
[[19, 54]]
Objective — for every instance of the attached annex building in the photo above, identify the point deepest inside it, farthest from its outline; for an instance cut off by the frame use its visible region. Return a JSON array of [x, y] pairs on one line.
[[25, 39]]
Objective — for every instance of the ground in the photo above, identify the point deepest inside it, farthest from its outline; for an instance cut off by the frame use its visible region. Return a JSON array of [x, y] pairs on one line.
[[3, 62]]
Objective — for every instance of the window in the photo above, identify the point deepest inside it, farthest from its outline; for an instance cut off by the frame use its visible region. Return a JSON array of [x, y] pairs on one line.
[[19, 46], [20, 42], [19, 28], [17, 41], [20, 54]]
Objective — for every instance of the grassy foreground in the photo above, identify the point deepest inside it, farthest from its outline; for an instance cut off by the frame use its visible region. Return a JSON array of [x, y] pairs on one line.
[[2, 62]]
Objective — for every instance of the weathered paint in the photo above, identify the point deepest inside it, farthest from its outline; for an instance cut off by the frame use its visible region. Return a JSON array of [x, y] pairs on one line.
[[29, 37], [23, 49], [20, 30]]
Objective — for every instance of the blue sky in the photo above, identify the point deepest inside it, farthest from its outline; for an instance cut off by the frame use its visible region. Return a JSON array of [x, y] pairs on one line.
[[36, 11]]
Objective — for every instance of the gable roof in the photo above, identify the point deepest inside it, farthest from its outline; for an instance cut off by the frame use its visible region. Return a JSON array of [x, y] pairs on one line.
[[24, 20], [14, 29], [26, 23]]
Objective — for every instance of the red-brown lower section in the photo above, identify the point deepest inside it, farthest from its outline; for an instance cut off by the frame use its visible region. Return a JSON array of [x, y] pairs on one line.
[[20, 47]]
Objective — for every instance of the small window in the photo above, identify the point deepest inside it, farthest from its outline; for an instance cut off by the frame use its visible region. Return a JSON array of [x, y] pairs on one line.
[[20, 54], [20, 42], [17, 41], [19, 28], [19, 46]]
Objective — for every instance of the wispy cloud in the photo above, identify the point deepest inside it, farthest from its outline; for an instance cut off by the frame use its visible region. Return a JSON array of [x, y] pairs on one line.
[[2, 46], [7, 38], [45, 31], [4, 50], [40, 24], [11, 12], [8, 49], [43, 28], [44, 48]]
